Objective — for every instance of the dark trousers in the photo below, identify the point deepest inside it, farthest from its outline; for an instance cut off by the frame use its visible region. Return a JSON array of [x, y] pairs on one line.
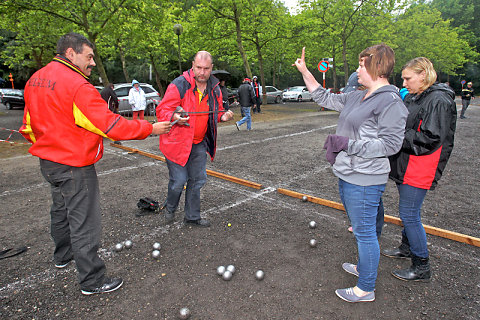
[[75, 219], [258, 102], [194, 174], [465, 104]]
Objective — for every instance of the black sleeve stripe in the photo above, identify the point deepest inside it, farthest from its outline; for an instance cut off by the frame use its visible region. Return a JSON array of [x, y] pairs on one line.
[[113, 125]]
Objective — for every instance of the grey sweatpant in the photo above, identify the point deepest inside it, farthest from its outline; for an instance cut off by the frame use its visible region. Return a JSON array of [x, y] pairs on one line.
[[75, 219]]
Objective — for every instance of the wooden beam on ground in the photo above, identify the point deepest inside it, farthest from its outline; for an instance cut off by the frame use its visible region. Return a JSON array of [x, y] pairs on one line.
[[143, 153], [390, 219], [246, 183], [209, 172]]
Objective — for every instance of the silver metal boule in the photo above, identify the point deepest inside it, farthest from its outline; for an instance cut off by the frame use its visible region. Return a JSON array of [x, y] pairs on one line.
[[312, 224], [259, 275], [184, 313], [227, 275], [304, 198], [128, 244], [118, 247], [231, 268], [155, 254], [157, 246], [313, 243], [221, 270]]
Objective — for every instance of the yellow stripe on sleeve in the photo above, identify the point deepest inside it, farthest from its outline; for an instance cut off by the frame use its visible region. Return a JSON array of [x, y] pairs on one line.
[[82, 121], [28, 128]]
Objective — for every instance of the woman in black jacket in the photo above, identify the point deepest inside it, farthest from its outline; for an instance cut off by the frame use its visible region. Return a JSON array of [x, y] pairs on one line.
[[427, 145]]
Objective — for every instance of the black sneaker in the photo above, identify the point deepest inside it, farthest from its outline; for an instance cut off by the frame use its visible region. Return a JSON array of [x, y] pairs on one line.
[[62, 265], [198, 223], [169, 216], [109, 285]]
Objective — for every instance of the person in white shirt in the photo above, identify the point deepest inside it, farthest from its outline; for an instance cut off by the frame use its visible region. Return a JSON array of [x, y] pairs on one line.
[[137, 100]]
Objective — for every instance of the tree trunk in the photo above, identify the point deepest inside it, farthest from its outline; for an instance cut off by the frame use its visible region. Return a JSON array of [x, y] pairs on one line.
[[157, 77], [37, 57], [262, 73], [239, 41], [274, 71], [101, 69], [344, 57], [124, 63], [334, 71]]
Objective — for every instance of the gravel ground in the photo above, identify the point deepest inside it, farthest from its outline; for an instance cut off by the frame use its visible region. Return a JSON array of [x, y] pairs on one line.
[[251, 229]]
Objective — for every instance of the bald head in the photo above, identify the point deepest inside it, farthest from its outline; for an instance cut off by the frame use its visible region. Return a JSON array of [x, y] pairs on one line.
[[202, 67], [203, 55]]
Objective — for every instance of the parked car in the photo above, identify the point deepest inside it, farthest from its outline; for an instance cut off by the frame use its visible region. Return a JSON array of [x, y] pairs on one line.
[[122, 90], [273, 94], [299, 93], [232, 95], [12, 98]]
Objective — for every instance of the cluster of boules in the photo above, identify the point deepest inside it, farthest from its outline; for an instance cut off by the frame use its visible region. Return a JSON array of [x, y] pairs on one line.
[[156, 250]]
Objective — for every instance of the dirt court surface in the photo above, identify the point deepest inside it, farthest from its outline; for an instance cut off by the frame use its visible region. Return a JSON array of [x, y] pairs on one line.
[[251, 229]]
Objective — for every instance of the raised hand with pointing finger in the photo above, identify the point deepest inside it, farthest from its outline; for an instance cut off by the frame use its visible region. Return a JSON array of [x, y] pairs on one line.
[[310, 82]]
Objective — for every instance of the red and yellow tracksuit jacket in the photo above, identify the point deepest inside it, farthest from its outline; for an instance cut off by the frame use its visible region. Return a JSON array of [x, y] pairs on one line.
[[66, 119]]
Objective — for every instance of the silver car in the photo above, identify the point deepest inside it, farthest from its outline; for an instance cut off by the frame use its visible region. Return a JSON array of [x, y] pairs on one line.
[[273, 95], [122, 90], [299, 93]]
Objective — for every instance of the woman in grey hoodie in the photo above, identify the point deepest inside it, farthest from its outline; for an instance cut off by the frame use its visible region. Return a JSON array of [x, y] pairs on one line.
[[370, 128]]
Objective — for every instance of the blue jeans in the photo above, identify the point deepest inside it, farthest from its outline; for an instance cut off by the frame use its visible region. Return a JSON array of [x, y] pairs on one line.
[[194, 174], [361, 204], [409, 208], [247, 118]]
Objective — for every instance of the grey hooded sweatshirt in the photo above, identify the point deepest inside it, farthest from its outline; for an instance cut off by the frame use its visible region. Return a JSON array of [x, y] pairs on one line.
[[375, 127]]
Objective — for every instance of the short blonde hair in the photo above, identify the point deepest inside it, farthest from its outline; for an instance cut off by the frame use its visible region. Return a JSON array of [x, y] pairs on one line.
[[419, 65], [379, 60]]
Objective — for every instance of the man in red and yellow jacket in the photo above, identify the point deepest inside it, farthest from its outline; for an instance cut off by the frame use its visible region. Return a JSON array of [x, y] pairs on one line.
[[66, 119], [186, 145]]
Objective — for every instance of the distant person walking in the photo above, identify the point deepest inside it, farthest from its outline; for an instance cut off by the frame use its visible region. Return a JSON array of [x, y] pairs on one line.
[[467, 95], [224, 91], [246, 97], [137, 100], [66, 122], [109, 95]]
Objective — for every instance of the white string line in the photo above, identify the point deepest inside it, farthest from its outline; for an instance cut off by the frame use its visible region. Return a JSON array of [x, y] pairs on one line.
[[48, 275], [103, 173], [122, 154], [275, 138]]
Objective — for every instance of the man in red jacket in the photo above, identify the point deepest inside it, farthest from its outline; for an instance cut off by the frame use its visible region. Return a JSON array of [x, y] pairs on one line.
[[186, 145], [66, 119]]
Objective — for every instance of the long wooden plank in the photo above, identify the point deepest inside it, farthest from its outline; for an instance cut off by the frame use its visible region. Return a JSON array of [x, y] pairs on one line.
[[143, 153], [332, 204], [390, 219], [235, 179]]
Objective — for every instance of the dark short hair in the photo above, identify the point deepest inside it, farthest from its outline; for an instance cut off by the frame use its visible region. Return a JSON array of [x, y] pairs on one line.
[[72, 40], [379, 60]]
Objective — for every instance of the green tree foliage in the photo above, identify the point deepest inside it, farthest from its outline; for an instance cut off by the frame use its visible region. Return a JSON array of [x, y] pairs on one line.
[[421, 31], [246, 37]]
